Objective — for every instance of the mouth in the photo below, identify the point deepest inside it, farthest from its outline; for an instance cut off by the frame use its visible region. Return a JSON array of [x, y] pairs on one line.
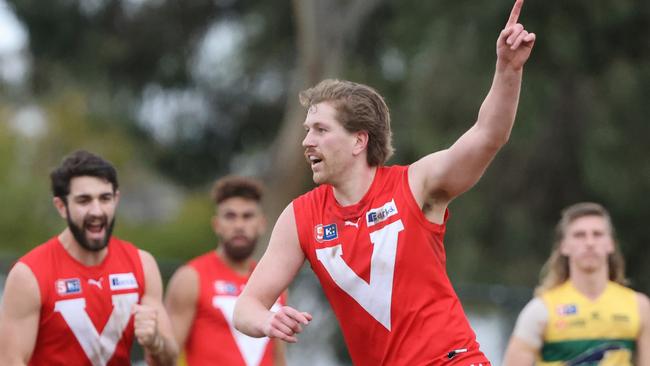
[[313, 159], [95, 230]]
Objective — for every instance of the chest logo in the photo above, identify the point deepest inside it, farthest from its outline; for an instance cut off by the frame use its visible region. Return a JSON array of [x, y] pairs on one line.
[[122, 281], [68, 286], [97, 283], [226, 288], [377, 215], [566, 309], [326, 232], [352, 223]]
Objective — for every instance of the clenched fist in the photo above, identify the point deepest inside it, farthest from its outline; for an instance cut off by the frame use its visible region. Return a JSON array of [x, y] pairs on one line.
[[146, 327]]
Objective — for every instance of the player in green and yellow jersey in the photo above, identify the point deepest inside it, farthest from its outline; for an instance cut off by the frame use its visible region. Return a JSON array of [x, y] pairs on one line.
[[582, 314]]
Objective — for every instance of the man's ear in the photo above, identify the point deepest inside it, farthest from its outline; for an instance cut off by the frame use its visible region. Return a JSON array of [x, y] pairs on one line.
[[59, 204], [214, 222], [263, 224], [360, 141], [563, 248]]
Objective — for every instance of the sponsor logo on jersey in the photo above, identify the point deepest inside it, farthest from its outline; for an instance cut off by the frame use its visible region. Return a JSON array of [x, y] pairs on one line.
[[325, 233], [620, 318], [122, 281], [226, 288], [69, 286], [97, 283], [377, 215], [566, 309]]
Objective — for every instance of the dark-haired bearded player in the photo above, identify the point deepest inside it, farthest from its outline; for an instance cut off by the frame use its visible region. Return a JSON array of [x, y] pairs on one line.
[[81, 297]]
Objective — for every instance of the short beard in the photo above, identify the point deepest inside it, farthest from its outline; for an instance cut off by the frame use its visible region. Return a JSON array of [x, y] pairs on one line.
[[80, 237], [239, 253]]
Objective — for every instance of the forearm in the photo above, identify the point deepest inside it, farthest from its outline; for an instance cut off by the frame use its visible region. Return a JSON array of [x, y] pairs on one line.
[[250, 316], [163, 352], [497, 114]]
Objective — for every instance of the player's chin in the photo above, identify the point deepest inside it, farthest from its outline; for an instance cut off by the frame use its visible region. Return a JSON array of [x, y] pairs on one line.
[[319, 178]]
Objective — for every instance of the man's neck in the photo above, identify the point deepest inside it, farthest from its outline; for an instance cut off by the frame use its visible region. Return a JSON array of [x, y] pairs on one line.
[[356, 183], [590, 284], [76, 251], [242, 268]]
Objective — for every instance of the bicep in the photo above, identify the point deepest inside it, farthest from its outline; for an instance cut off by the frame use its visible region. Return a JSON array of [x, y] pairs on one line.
[[153, 292], [19, 316], [519, 353], [180, 301], [279, 264], [446, 174], [527, 337]]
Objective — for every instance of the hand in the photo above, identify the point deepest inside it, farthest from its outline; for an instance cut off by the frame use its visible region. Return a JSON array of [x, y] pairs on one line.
[[286, 323], [515, 43], [146, 328]]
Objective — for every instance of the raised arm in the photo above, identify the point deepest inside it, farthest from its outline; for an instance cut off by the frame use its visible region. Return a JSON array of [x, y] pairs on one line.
[[439, 177], [273, 274], [180, 302], [152, 326], [19, 315]]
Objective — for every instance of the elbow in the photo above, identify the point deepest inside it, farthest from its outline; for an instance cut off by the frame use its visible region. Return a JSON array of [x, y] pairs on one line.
[[498, 140], [236, 318]]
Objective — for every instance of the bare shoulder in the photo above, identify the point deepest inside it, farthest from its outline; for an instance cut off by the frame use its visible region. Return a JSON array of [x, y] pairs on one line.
[[425, 176], [285, 231], [287, 218], [21, 288], [22, 274], [152, 278], [644, 305], [148, 261], [184, 284]]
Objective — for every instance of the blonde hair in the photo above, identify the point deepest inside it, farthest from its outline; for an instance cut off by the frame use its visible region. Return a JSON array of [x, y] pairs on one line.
[[359, 108], [556, 269]]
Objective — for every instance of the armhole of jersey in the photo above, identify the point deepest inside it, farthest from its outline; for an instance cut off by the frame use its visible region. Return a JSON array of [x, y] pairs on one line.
[[303, 238], [532, 322], [415, 208], [40, 283], [139, 266], [194, 265]]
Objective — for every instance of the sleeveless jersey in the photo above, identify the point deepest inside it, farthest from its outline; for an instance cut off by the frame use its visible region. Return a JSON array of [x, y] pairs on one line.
[[85, 316], [381, 264], [583, 332], [213, 340]]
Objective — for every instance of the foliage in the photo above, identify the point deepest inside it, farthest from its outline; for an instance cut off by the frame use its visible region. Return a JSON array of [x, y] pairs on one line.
[[580, 132]]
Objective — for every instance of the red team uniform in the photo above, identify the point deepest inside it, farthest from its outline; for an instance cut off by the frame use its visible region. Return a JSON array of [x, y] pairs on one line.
[[85, 316], [213, 340], [381, 264]]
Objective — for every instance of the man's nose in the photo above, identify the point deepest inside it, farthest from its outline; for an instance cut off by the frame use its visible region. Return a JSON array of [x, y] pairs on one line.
[[96, 208], [308, 140]]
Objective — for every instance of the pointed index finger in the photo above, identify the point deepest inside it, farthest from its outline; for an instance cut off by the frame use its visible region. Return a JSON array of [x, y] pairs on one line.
[[514, 14]]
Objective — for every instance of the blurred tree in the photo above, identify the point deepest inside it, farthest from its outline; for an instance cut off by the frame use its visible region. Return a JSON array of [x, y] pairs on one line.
[[201, 87]]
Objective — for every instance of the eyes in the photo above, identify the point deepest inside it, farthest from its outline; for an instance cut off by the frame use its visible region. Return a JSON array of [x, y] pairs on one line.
[[233, 216], [316, 129], [87, 199], [583, 234]]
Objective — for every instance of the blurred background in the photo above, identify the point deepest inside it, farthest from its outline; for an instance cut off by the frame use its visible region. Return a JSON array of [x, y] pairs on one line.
[[177, 93]]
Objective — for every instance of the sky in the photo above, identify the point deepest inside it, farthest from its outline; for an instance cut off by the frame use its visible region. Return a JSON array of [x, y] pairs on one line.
[[13, 46]]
